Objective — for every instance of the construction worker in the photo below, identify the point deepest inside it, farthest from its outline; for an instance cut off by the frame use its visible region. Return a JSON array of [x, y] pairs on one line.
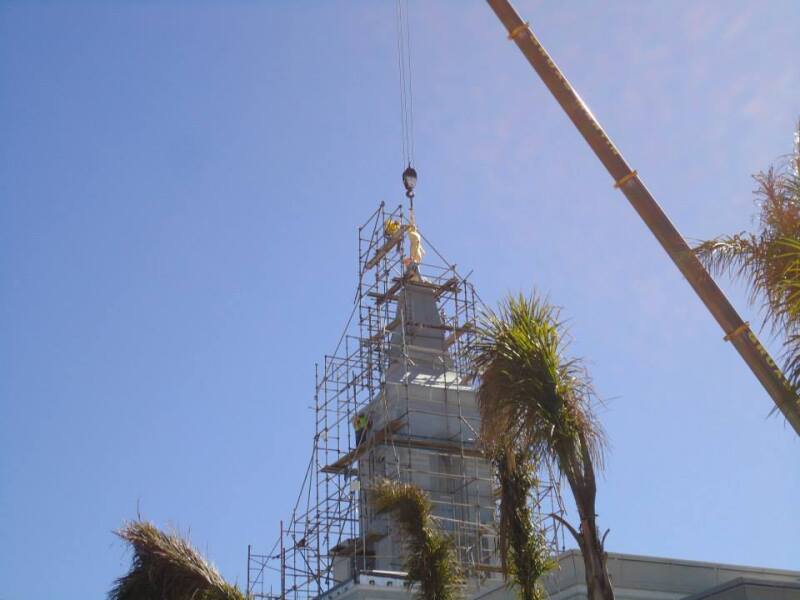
[[360, 424], [390, 229]]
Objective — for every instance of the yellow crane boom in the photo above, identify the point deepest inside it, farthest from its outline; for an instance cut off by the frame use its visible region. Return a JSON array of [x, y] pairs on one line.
[[736, 330]]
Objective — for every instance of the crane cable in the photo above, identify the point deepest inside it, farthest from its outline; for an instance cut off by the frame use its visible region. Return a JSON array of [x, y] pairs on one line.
[[406, 91]]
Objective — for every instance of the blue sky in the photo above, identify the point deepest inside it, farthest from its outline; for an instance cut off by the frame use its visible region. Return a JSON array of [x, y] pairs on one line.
[[180, 185]]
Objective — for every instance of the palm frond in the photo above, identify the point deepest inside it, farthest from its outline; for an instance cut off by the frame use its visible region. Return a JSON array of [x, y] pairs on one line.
[[768, 261], [761, 262], [529, 388], [790, 282], [167, 567], [431, 561], [734, 255], [790, 309]]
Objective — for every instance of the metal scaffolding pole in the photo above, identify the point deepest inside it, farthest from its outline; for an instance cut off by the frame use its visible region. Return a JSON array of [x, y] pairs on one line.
[[736, 330], [334, 533]]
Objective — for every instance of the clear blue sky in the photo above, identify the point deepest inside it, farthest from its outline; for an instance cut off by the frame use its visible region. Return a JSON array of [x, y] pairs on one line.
[[180, 184]]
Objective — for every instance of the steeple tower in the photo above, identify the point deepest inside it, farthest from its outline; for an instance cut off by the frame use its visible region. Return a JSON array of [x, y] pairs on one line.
[[393, 401], [423, 428], [417, 348]]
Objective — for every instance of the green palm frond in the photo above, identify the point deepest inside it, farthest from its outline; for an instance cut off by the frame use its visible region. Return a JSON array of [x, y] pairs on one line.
[[524, 553], [431, 561], [529, 389], [790, 283], [790, 309], [167, 567]]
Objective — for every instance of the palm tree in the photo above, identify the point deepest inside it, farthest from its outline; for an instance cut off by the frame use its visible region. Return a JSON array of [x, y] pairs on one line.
[[767, 260], [166, 567], [431, 561], [529, 391], [524, 553]]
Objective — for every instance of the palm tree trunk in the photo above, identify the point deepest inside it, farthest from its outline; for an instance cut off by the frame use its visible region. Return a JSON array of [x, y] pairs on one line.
[[581, 478], [598, 583]]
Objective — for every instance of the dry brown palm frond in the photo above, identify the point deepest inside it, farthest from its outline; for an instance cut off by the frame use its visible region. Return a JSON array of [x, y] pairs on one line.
[[430, 562], [167, 567], [767, 260]]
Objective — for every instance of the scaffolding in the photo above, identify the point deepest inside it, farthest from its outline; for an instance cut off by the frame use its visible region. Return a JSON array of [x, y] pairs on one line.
[[332, 533]]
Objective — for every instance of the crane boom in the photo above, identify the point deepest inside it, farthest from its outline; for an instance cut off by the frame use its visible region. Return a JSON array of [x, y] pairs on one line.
[[736, 330]]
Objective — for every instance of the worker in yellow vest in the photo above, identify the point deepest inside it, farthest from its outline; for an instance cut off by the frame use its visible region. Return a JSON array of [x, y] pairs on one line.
[[360, 424]]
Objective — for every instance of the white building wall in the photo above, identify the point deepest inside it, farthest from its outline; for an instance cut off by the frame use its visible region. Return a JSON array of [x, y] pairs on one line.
[[633, 577]]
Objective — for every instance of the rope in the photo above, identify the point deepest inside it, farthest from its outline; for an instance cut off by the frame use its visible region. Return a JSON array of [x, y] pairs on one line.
[[406, 90]]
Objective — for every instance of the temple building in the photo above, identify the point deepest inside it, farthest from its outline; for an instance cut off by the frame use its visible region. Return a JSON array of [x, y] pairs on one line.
[[395, 400]]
